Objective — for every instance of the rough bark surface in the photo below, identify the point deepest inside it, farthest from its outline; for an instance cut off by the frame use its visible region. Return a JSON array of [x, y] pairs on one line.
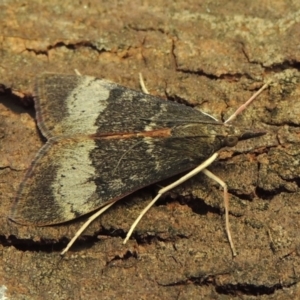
[[211, 55]]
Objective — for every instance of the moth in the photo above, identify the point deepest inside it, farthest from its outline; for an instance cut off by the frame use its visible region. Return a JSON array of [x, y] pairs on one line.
[[105, 141]]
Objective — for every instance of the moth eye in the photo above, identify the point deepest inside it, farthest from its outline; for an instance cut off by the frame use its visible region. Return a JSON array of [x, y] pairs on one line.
[[231, 141]]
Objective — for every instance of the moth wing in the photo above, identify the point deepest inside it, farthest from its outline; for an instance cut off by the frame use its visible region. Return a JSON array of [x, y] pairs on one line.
[[74, 176], [71, 105]]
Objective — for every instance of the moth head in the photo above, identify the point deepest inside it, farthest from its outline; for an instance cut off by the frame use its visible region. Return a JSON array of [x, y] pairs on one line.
[[230, 141], [234, 137]]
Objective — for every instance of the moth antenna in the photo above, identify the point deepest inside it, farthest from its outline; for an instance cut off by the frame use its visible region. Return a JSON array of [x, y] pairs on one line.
[[242, 107]]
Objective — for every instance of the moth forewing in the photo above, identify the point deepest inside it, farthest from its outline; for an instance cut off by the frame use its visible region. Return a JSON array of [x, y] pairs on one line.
[[106, 141]]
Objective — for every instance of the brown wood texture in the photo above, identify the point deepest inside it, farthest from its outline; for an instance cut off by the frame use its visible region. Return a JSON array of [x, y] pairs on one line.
[[211, 55]]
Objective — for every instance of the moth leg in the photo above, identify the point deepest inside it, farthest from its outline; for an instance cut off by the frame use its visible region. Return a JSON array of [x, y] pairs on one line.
[[168, 188], [205, 171], [86, 224], [226, 206], [77, 72], [142, 84]]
